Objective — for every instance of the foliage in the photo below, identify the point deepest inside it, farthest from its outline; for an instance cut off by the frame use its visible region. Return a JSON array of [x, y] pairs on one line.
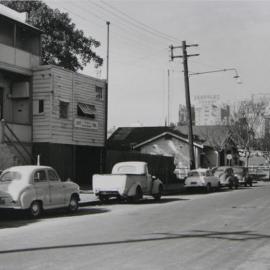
[[62, 43], [246, 123]]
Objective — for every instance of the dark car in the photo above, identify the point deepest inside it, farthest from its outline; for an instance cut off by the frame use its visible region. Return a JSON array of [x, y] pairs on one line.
[[242, 175], [226, 177]]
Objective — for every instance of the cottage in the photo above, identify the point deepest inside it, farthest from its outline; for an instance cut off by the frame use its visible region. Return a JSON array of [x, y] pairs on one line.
[[162, 141]]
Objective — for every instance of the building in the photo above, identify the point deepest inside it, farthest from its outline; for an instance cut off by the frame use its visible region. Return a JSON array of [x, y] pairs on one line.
[[182, 115], [217, 143], [68, 121], [47, 110], [210, 111], [162, 141], [19, 54]]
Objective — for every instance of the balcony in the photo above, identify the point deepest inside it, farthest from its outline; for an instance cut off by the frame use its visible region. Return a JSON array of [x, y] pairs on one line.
[[16, 60]]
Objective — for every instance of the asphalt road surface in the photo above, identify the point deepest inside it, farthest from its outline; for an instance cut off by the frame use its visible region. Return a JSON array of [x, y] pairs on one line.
[[222, 230]]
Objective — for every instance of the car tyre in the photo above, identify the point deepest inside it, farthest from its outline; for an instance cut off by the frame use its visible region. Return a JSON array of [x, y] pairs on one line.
[[73, 204], [158, 195], [138, 195], [35, 209], [103, 198], [208, 188]]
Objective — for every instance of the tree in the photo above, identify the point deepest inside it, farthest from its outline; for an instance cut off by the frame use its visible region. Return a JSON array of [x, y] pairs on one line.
[[246, 124], [62, 43]]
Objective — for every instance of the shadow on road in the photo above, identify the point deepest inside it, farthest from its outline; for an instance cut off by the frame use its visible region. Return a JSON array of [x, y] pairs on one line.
[[223, 236], [142, 201], [14, 219]]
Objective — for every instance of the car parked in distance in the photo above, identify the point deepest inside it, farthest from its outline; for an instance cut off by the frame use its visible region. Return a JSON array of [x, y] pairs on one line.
[[242, 175], [226, 177], [202, 178], [36, 188]]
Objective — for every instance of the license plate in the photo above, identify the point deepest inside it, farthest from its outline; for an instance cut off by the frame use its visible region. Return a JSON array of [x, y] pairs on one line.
[[2, 201], [193, 183]]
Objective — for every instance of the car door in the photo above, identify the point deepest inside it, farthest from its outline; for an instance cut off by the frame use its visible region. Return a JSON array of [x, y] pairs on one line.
[[41, 186], [57, 189]]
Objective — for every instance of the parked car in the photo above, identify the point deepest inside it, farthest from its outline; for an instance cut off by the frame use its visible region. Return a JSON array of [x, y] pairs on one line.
[[226, 177], [36, 188], [202, 178], [128, 180], [242, 175]]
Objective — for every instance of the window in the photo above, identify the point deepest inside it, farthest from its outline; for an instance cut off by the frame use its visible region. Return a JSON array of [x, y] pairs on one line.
[[38, 106], [41, 106], [86, 110], [99, 93], [40, 176], [63, 109], [53, 175]]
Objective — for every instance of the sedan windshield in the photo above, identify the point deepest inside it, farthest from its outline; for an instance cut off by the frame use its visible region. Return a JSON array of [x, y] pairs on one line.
[[9, 176]]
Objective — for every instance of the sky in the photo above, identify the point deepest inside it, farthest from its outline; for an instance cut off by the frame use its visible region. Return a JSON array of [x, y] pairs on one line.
[[230, 35]]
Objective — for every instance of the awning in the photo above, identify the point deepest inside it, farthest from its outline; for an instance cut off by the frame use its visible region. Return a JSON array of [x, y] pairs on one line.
[[87, 109]]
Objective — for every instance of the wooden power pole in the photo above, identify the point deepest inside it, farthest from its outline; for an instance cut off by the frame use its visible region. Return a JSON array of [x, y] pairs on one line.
[[187, 94]]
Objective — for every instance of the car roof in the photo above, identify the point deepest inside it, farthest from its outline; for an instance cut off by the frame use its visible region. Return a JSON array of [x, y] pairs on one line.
[[27, 168]]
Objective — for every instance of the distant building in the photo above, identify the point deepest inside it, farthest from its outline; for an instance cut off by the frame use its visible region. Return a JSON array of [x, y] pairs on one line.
[[206, 111], [182, 115]]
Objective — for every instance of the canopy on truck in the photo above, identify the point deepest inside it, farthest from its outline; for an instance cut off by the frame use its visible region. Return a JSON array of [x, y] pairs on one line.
[[132, 167]]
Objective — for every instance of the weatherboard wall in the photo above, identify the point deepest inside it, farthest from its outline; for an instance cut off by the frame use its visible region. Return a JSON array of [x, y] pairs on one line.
[[54, 85]]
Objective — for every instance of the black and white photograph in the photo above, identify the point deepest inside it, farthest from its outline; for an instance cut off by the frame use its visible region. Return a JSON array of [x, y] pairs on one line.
[[134, 134]]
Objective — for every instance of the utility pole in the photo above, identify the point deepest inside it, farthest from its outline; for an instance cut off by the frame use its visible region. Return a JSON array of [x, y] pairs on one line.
[[168, 105], [187, 94], [106, 99]]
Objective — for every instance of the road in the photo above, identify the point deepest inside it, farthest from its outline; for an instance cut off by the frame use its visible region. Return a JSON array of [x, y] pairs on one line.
[[222, 230]]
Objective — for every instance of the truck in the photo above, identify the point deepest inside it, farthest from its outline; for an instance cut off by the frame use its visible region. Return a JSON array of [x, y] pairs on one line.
[[129, 181]]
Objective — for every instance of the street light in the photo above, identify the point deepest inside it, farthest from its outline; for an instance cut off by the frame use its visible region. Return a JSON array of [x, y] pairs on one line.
[[236, 75]]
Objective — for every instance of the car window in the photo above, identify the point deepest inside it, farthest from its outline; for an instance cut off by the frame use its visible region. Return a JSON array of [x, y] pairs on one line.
[[193, 173], [9, 176], [52, 175], [40, 176]]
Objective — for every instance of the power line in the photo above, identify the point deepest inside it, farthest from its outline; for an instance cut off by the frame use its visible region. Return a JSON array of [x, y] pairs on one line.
[[140, 23], [136, 25]]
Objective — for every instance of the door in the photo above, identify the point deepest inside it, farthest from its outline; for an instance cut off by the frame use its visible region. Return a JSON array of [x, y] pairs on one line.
[[41, 186], [57, 189]]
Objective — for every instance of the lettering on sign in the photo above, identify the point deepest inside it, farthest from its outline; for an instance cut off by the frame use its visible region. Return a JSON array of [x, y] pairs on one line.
[[87, 124]]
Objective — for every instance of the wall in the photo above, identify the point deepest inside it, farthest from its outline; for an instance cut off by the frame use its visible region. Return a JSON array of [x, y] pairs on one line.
[[174, 148], [55, 85], [78, 163]]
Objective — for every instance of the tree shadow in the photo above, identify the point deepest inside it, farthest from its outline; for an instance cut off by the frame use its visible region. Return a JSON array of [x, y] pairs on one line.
[[166, 236]]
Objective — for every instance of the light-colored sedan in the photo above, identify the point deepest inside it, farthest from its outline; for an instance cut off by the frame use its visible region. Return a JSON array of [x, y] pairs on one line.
[[202, 178], [36, 188]]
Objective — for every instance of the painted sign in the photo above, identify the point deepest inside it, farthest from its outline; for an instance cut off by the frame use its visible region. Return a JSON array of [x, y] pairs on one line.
[[83, 123]]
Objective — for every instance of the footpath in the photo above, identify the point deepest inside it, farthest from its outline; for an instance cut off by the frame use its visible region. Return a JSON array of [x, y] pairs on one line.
[[89, 198]]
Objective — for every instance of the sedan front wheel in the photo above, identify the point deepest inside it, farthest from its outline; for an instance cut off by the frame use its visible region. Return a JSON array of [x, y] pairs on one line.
[[73, 204], [35, 209]]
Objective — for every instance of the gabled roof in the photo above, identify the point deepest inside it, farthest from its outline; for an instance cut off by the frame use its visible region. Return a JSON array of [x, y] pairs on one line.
[[126, 138], [212, 136], [172, 134]]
